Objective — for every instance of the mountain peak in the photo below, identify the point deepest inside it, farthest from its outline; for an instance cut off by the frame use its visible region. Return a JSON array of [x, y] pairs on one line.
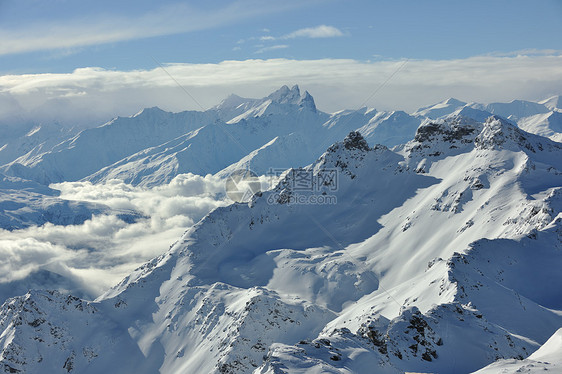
[[453, 101], [150, 111], [441, 109], [499, 133], [286, 95], [554, 102], [232, 100], [454, 128], [307, 101], [354, 140], [348, 155]]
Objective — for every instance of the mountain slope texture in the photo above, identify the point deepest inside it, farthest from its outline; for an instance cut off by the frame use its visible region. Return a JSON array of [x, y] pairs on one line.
[[437, 252]]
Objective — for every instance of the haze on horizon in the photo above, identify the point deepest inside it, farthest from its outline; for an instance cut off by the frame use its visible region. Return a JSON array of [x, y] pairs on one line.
[[87, 62]]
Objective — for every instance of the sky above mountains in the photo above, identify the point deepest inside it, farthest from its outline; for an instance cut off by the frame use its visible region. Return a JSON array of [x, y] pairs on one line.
[[385, 54], [59, 36]]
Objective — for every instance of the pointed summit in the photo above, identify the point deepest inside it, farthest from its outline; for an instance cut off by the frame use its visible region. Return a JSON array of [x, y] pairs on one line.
[[152, 111], [441, 109], [354, 140], [232, 101], [554, 102], [306, 101], [286, 95], [453, 101]]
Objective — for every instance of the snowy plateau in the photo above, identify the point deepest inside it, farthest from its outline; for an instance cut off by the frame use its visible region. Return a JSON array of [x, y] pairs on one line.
[[440, 250]]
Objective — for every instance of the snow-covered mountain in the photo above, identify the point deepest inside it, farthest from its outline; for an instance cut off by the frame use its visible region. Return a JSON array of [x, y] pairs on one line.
[[516, 109], [552, 103], [546, 358], [429, 257], [282, 114], [153, 146], [46, 331], [39, 139], [547, 124], [92, 149], [441, 109], [541, 118]]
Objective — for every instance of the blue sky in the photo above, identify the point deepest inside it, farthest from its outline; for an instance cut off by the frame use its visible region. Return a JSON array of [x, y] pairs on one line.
[[59, 36], [79, 61]]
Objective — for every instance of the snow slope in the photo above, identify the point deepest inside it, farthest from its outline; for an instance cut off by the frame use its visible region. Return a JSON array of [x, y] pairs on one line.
[[441, 109], [39, 139], [475, 307], [45, 331], [431, 258], [516, 109], [547, 358], [553, 103], [95, 148], [547, 124]]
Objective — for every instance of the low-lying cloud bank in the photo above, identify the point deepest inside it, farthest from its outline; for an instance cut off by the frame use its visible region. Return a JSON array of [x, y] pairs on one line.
[[93, 95], [99, 253]]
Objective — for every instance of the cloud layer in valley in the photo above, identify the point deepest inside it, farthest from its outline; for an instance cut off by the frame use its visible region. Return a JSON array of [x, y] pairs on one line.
[[99, 253]]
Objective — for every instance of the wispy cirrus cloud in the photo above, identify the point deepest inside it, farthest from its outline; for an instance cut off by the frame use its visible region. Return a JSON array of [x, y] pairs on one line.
[[526, 52], [271, 48], [321, 31], [101, 29]]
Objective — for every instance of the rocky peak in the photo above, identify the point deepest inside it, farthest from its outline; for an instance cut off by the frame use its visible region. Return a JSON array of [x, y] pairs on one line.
[[306, 101], [452, 130], [286, 95], [354, 140], [499, 133], [150, 112]]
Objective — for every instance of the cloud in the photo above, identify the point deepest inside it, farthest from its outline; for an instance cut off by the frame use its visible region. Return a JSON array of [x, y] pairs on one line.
[[20, 257], [321, 31], [98, 29], [99, 253], [94, 95], [272, 48], [525, 52]]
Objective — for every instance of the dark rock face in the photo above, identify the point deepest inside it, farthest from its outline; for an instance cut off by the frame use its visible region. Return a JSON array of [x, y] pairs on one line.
[[448, 134], [409, 336], [354, 140]]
